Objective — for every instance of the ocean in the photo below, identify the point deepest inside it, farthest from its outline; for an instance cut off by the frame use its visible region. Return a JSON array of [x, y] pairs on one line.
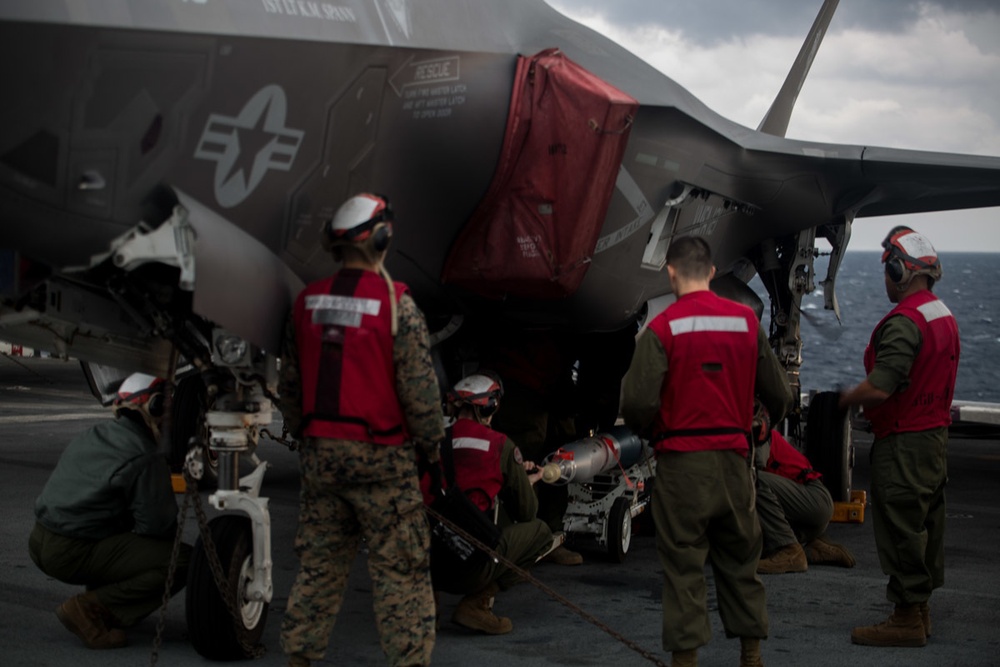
[[832, 351]]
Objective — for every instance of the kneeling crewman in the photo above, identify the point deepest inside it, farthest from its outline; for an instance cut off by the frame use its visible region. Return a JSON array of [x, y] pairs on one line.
[[489, 469], [107, 519], [794, 508]]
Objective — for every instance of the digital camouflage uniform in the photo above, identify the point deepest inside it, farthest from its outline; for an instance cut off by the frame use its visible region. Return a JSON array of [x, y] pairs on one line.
[[353, 490]]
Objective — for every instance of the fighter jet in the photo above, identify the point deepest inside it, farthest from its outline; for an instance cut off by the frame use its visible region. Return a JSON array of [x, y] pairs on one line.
[[166, 167]]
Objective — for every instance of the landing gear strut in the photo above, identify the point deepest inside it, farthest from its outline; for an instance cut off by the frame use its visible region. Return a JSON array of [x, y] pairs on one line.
[[228, 597], [786, 268]]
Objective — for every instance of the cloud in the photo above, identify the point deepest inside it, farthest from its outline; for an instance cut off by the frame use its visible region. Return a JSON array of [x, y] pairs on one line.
[[917, 74], [709, 22]]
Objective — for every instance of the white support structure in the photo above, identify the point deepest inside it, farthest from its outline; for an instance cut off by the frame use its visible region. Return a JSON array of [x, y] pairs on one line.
[[247, 499]]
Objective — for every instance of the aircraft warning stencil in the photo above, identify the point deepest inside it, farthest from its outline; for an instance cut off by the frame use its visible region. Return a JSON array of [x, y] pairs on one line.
[[247, 146]]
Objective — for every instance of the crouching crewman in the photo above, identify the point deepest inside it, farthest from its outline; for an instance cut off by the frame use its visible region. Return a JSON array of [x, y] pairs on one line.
[[107, 519], [794, 508], [490, 471]]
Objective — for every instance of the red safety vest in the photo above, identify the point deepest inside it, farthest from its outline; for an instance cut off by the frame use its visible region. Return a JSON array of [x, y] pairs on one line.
[[926, 402], [344, 337], [706, 402], [477, 449], [789, 462]]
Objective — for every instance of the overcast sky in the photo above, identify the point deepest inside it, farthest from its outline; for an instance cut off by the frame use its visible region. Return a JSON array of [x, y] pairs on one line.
[[911, 74]]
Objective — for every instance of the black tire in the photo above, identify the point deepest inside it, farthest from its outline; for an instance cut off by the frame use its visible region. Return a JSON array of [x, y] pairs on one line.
[[215, 634], [619, 530], [188, 420], [828, 443]]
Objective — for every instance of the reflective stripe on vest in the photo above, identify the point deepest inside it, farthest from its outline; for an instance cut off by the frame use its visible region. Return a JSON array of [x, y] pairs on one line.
[[926, 402], [707, 399], [342, 327], [477, 450], [696, 323]]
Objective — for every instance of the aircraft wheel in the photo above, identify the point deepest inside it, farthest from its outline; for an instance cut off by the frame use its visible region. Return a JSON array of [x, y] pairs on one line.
[[190, 406], [619, 530], [215, 633], [828, 443]]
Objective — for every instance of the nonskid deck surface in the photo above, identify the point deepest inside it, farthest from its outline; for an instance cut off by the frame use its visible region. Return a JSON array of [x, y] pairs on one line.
[[44, 402]]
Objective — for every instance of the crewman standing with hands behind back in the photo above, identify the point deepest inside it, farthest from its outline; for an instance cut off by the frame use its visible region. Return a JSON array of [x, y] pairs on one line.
[[359, 390], [691, 388], [912, 362]]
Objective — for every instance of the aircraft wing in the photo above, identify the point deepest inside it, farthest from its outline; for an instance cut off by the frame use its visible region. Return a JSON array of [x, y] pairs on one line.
[[905, 181], [854, 181]]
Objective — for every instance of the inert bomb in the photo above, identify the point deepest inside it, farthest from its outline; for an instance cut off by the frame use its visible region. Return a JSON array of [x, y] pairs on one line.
[[584, 459]]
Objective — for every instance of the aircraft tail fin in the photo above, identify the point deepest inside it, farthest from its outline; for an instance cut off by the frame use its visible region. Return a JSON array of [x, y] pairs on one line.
[[776, 119]]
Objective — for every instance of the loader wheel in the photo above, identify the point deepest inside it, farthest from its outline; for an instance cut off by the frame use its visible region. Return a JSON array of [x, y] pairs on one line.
[[619, 530], [215, 633], [828, 444]]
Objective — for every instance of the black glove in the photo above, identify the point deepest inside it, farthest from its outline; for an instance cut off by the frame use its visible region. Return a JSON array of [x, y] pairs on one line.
[[425, 466], [434, 470]]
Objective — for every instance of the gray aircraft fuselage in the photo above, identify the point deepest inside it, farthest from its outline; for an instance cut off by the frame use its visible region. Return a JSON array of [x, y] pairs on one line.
[[269, 113]]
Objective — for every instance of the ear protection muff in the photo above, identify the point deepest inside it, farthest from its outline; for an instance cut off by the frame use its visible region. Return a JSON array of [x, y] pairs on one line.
[[896, 269], [155, 405], [381, 236], [492, 398], [497, 394], [382, 226], [489, 407]]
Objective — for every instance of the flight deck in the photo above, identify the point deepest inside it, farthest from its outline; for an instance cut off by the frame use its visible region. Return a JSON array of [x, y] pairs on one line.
[[45, 402]]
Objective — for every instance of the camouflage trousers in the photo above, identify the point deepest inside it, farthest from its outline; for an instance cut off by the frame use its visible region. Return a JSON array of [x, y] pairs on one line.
[[350, 491]]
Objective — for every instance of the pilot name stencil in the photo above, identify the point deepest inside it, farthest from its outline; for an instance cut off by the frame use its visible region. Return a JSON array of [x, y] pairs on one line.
[[311, 10]]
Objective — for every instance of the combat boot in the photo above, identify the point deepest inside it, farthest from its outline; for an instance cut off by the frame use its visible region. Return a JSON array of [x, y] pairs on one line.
[[925, 617], [820, 551], [687, 658], [789, 558], [750, 652], [563, 556], [84, 616], [475, 612], [904, 627]]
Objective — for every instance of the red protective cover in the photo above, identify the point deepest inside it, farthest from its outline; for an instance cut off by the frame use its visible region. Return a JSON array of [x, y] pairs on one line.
[[535, 230]]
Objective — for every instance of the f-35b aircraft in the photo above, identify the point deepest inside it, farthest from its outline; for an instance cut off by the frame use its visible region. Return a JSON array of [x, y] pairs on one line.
[[166, 166]]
